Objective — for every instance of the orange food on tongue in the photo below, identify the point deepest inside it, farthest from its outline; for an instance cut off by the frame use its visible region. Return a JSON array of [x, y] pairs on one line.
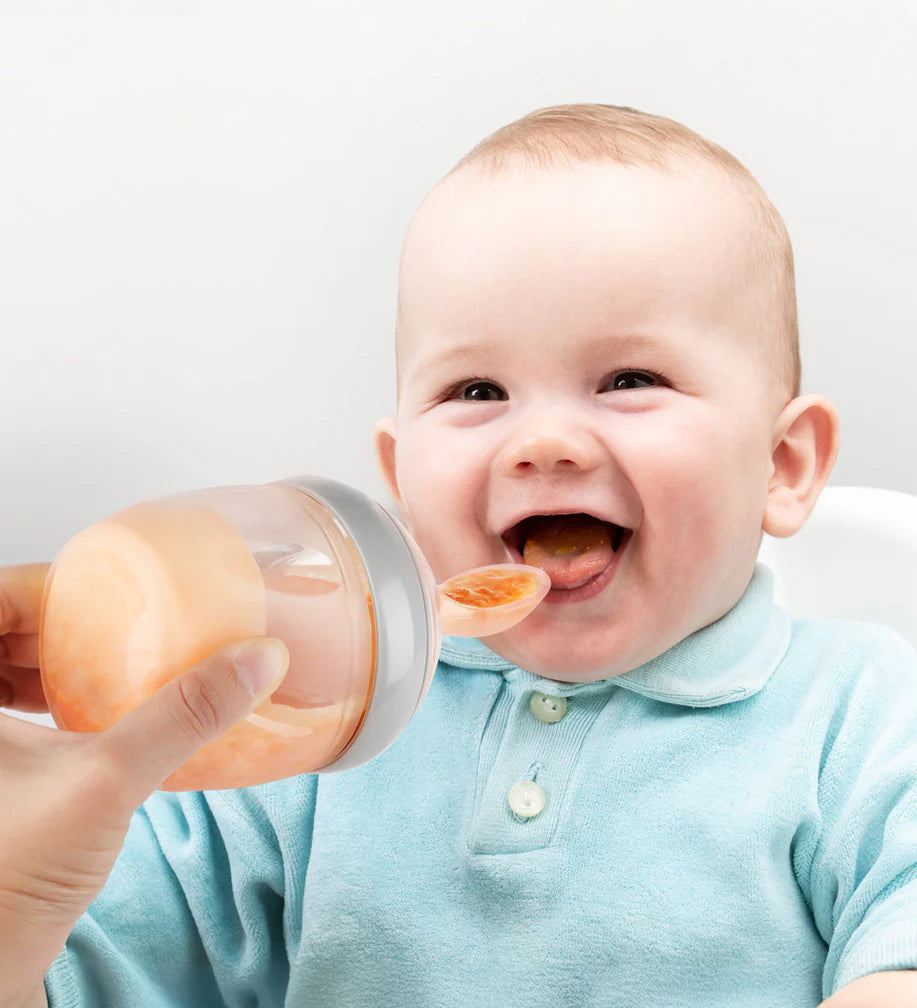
[[570, 549]]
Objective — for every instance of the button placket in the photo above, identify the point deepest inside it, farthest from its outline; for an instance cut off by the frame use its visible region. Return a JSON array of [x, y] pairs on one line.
[[516, 748]]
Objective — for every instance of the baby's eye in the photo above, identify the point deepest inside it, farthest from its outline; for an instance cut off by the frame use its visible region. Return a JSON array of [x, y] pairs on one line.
[[478, 391], [621, 380]]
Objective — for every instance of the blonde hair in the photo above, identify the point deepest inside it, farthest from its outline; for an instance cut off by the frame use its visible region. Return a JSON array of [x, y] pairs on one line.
[[587, 132]]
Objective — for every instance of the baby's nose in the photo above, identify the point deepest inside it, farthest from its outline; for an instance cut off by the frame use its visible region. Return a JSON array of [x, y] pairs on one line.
[[548, 450]]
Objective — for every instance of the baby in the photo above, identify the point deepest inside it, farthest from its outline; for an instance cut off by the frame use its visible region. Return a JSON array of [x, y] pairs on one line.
[[657, 790]]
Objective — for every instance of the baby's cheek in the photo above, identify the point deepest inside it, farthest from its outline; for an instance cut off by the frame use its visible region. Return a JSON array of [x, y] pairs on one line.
[[436, 548], [445, 539]]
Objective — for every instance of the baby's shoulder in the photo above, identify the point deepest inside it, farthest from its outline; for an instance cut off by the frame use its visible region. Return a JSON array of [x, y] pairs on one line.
[[850, 641], [851, 660]]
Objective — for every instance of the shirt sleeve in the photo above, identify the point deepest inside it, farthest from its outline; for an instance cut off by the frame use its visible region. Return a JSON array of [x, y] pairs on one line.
[[857, 863], [195, 912]]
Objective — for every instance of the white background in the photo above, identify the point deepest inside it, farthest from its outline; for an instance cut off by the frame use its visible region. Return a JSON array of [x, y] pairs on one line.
[[202, 205]]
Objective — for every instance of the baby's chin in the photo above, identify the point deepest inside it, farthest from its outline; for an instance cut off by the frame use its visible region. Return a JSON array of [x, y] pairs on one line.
[[555, 656]]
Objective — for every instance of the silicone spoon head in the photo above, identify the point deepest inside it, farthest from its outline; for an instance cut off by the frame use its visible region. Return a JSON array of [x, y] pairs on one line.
[[488, 600]]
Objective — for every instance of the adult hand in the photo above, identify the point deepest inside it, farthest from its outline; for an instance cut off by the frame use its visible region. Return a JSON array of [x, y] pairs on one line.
[[68, 797]]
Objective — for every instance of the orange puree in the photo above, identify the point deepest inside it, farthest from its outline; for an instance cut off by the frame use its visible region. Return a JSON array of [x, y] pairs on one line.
[[487, 588]]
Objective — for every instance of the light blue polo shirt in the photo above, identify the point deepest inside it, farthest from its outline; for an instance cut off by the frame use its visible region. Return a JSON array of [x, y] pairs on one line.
[[732, 824]]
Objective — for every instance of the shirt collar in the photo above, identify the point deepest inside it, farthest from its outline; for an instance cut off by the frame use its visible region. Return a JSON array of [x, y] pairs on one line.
[[729, 660]]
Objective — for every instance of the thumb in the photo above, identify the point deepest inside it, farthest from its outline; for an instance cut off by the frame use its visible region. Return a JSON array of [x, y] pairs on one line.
[[158, 736]]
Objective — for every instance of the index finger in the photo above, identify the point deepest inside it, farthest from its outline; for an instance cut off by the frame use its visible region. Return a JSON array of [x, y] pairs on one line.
[[21, 587]]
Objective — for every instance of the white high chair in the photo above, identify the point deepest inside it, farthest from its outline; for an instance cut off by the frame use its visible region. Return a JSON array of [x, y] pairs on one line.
[[854, 559]]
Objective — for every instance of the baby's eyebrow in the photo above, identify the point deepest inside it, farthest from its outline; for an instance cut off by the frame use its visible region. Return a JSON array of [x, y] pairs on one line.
[[629, 343], [634, 343], [445, 358]]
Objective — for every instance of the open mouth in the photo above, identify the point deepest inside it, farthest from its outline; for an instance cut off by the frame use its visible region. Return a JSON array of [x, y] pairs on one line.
[[572, 527], [578, 551]]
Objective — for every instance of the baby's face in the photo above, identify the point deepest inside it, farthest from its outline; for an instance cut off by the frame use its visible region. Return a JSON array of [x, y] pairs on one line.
[[575, 340]]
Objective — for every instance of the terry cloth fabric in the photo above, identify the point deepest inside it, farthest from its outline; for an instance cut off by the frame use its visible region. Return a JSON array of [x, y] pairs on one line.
[[732, 824]]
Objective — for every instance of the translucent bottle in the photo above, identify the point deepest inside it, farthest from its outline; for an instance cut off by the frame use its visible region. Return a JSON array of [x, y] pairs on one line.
[[138, 597]]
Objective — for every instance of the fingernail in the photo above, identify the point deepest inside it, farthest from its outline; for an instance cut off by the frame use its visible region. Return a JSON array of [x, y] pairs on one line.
[[262, 664]]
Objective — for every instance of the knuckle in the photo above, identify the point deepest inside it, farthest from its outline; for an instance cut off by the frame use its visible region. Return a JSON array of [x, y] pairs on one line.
[[198, 706]]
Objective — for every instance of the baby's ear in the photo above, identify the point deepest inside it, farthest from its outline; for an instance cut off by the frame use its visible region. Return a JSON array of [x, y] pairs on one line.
[[806, 442], [385, 437]]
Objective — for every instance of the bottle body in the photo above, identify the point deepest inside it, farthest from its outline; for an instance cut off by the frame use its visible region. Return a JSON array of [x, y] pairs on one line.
[[147, 592]]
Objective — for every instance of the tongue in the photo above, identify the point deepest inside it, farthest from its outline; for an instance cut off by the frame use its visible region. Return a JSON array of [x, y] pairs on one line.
[[570, 549]]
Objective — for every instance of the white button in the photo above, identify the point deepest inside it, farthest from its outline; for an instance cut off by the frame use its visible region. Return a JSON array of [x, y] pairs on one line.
[[547, 708], [527, 799]]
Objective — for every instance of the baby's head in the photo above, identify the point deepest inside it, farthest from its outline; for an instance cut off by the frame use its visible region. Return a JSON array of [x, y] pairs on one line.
[[597, 316]]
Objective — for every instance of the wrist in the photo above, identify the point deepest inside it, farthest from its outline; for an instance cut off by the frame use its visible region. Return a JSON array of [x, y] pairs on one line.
[[23, 967], [37, 998], [32, 935]]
